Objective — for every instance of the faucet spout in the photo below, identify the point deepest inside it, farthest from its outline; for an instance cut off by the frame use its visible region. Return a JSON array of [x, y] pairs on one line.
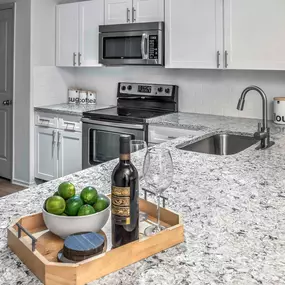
[[262, 134]]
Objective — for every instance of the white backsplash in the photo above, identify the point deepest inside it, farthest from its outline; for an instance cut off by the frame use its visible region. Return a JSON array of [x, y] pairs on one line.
[[50, 85], [201, 91]]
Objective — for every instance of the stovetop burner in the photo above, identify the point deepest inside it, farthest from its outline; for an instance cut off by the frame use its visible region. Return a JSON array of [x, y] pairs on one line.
[[124, 114], [138, 102]]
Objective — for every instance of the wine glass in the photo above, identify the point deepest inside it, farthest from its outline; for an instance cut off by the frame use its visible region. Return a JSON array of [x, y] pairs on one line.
[[138, 153], [158, 173]]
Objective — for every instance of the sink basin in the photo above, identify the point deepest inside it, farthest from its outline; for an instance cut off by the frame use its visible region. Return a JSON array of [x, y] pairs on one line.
[[220, 144]]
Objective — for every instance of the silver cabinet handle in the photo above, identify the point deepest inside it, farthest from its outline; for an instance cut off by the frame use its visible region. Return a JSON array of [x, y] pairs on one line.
[[53, 141], [226, 59], [218, 59], [74, 59], [134, 14], [128, 15], [79, 59], [58, 144], [144, 46]]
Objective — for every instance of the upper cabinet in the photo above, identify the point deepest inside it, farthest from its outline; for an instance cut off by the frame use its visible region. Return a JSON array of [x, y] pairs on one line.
[[77, 29], [133, 11], [254, 34], [118, 11], [225, 34], [67, 34], [148, 11], [194, 33]]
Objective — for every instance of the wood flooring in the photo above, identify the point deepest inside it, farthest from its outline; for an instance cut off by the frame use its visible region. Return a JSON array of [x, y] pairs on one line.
[[6, 187]]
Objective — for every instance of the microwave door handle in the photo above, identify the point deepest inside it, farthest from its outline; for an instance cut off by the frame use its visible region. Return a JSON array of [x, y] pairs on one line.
[[144, 46]]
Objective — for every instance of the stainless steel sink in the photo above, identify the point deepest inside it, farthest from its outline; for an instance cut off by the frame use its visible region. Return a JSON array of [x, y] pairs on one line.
[[220, 144]]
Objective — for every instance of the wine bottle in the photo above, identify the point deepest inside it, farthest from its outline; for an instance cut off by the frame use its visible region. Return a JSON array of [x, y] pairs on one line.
[[125, 195]]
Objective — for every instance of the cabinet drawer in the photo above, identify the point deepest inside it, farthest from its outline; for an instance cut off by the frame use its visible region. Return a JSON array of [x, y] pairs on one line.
[[70, 123], [46, 120], [158, 134]]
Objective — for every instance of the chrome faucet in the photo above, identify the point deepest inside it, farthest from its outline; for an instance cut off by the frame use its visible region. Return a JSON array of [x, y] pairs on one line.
[[263, 132]]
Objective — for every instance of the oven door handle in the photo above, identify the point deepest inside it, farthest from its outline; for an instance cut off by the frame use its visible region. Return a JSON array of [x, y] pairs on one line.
[[113, 124], [144, 46]]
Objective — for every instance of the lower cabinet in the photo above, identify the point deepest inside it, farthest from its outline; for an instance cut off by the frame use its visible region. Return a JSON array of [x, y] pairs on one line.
[[57, 153], [70, 152]]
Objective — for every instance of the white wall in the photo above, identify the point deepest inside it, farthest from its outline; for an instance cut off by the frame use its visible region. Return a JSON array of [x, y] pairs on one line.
[[201, 91]]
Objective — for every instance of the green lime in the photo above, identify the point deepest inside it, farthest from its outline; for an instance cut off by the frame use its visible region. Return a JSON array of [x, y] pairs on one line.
[[86, 210], [56, 194], [73, 205], [89, 195], [55, 205], [101, 204], [66, 190]]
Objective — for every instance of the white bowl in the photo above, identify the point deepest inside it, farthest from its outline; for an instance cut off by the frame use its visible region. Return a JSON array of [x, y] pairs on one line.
[[64, 226]]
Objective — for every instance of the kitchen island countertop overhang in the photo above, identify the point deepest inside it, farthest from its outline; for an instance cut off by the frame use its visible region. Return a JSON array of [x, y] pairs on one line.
[[233, 210]]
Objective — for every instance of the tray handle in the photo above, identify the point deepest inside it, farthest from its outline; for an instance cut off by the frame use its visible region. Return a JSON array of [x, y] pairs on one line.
[[146, 191], [34, 240]]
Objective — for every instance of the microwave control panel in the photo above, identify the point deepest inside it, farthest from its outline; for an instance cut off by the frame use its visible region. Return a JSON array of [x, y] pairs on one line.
[[153, 47]]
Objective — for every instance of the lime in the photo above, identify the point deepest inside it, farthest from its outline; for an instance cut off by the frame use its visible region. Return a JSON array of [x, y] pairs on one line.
[[86, 210], [101, 204], [66, 190], [73, 205], [89, 195], [55, 205], [56, 193]]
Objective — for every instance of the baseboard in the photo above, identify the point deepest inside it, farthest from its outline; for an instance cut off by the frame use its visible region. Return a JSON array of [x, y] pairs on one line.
[[22, 183]]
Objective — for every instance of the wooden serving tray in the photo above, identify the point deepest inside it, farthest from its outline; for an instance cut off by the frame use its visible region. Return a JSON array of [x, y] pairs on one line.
[[43, 260]]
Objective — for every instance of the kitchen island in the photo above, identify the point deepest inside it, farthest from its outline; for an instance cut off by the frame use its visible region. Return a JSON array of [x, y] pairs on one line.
[[233, 209]]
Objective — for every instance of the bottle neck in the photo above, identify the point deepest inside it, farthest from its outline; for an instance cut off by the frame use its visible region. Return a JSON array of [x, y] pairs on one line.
[[125, 158]]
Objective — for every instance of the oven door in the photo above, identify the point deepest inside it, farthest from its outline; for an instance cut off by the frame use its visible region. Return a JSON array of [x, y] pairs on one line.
[[101, 140], [132, 48]]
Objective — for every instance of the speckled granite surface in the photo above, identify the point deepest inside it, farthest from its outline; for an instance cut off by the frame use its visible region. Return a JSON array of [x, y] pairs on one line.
[[233, 209], [70, 109]]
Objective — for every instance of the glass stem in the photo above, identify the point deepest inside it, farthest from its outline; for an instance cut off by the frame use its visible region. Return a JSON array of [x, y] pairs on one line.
[[158, 212]]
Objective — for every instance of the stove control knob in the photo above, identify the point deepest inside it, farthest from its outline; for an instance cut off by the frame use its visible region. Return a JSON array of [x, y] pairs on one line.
[[130, 87], [167, 90], [159, 89], [123, 87]]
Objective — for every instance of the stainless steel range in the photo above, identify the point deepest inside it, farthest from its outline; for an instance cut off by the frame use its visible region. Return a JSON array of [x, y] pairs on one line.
[[136, 103]]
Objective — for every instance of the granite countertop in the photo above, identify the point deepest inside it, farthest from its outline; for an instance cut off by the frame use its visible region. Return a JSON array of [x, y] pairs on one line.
[[233, 210], [70, 109]]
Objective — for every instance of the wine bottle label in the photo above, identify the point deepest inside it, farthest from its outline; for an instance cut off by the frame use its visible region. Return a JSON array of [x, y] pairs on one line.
[[121, 203]]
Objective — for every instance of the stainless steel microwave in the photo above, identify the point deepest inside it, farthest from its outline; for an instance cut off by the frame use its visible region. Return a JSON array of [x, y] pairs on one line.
[[132, 44]]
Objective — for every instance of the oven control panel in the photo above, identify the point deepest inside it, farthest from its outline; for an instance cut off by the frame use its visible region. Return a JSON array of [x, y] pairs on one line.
[[146, 89]]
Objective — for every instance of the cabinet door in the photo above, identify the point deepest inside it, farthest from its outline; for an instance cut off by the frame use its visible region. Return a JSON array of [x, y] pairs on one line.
[[91, 15], [69, 152], [67, 26], [45, 153], [194, 30], [254, 34], [148, 11], [118, 11]]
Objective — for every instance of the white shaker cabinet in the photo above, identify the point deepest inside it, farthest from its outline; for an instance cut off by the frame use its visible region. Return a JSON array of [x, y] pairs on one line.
[[255, 34], [91, 15], [77, 33], [148, 11], [67, 34], [69, 152], [58, 145], [133, 11], [194, 33], [45, 153], [118, 11]]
